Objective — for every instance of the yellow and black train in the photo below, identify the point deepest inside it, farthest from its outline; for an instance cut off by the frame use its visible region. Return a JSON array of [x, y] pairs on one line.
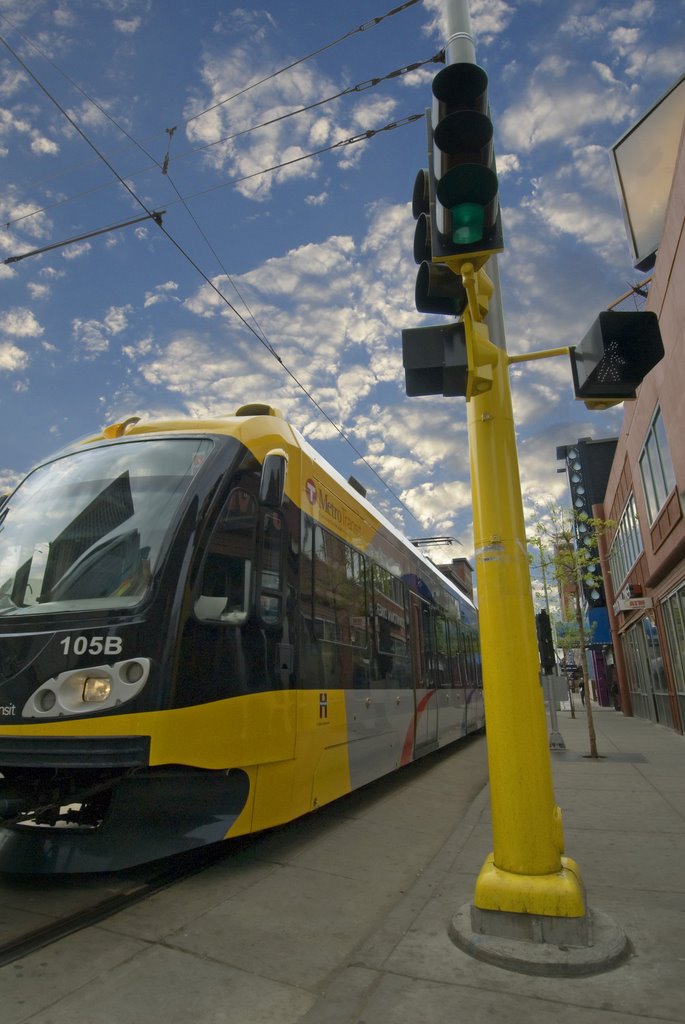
[[204, 632]]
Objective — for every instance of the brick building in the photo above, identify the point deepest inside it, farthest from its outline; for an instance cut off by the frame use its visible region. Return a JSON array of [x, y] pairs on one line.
[[644, 556]]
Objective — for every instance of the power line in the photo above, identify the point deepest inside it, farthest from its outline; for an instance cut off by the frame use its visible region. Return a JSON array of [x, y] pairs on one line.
[[252, 85], [370, 83], [170, 131], [360, 87], [361, 137], [205, 277]]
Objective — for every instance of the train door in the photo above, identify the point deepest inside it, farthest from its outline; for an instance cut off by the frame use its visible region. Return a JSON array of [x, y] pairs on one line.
[[425, 676]]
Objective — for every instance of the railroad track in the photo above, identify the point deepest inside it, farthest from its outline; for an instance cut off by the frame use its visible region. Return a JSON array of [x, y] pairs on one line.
[[130, 888]]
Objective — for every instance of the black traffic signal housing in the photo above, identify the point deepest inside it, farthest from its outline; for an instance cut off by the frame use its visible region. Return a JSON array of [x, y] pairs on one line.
[[468, 222], [456, 207], [548, 658], [435, 360], [615, 356], [438, 289]]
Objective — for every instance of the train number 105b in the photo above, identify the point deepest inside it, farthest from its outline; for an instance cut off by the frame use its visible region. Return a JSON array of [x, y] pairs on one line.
[[92, 645]]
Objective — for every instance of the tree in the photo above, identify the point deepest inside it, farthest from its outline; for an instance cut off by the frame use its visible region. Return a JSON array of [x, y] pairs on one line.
[[575, 566]]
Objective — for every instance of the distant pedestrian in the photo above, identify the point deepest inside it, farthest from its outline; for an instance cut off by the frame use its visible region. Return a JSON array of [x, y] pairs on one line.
[[581, 691], [616, 696]]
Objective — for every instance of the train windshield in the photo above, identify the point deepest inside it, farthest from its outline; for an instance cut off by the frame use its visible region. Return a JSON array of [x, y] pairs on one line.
[[86, 531]]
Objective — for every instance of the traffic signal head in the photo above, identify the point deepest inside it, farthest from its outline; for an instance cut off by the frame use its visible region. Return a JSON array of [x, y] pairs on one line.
[[467, 213], [455, 360], [543, 628], [615, 356], [435, 360]]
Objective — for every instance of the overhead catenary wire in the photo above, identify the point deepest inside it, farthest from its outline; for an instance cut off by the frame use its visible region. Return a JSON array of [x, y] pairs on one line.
[[361, 137], [165, 165], [156, 216], [372, 23], [301, 60], [360, 87], [370, 83], [151, 214]]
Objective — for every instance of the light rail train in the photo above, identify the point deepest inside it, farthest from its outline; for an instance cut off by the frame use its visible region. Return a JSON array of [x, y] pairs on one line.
[[206, 632]]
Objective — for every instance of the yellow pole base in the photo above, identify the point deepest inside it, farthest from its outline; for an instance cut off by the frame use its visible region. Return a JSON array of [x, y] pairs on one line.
[[561, 894]]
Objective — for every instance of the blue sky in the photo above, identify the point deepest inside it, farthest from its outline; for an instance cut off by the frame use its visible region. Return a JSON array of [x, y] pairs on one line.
[[320, 251]]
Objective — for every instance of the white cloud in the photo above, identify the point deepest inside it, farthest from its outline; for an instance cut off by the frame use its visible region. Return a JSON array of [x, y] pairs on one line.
[[77, 249], [285, 142], [93, 336], [63, 16], [127, 26], [8, 480], [11, 80], [507, 163], [576, 214], [43, 146], [624, 39], [161, 293], [438, 505], [489, 19], [21, 323], [554, 111], [116, 318], [18, 214], [39, 291], [12, 358]]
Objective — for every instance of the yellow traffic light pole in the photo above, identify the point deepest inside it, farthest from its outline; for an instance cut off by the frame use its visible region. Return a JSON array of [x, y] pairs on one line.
[[526, 872]]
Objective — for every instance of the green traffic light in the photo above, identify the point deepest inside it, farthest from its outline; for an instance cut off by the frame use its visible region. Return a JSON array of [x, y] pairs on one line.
[[469, 192], [468, 223]]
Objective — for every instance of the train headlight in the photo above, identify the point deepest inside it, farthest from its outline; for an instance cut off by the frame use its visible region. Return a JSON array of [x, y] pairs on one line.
[[96, 689], [89, 690]]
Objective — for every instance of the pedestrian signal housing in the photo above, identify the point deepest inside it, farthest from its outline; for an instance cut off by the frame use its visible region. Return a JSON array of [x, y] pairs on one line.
[[616, 355]]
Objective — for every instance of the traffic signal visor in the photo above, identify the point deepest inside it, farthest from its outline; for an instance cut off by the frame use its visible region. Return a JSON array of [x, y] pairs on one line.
[[438, 289]]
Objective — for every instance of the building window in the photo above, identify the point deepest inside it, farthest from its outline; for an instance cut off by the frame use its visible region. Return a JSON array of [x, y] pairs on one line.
[[656, 468], [626, 545], [674, 618]]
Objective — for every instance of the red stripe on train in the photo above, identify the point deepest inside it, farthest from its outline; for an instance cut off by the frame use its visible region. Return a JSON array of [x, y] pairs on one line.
[[408, 746]]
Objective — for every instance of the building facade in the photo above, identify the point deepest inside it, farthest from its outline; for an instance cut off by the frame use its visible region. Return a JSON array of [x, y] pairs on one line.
[[643, 556]]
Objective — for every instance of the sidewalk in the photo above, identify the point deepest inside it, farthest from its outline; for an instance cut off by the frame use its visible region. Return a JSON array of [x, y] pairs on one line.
[[343, 917], [624, 822]]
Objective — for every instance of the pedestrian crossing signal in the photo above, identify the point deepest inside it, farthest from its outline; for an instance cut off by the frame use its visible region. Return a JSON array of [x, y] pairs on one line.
[[615, 356]]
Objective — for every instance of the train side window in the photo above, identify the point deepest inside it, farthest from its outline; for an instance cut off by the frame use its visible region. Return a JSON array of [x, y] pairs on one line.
[[340, 589], [227, 572], [471, 661], [391, 629], [442, 668], [272, 542], [457, 652]]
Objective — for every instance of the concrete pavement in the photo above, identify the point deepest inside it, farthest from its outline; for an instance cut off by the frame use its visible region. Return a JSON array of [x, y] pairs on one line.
[[343, 918]]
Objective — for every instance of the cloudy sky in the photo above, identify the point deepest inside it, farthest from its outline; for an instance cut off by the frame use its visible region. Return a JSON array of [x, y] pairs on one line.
[[112, 109]]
